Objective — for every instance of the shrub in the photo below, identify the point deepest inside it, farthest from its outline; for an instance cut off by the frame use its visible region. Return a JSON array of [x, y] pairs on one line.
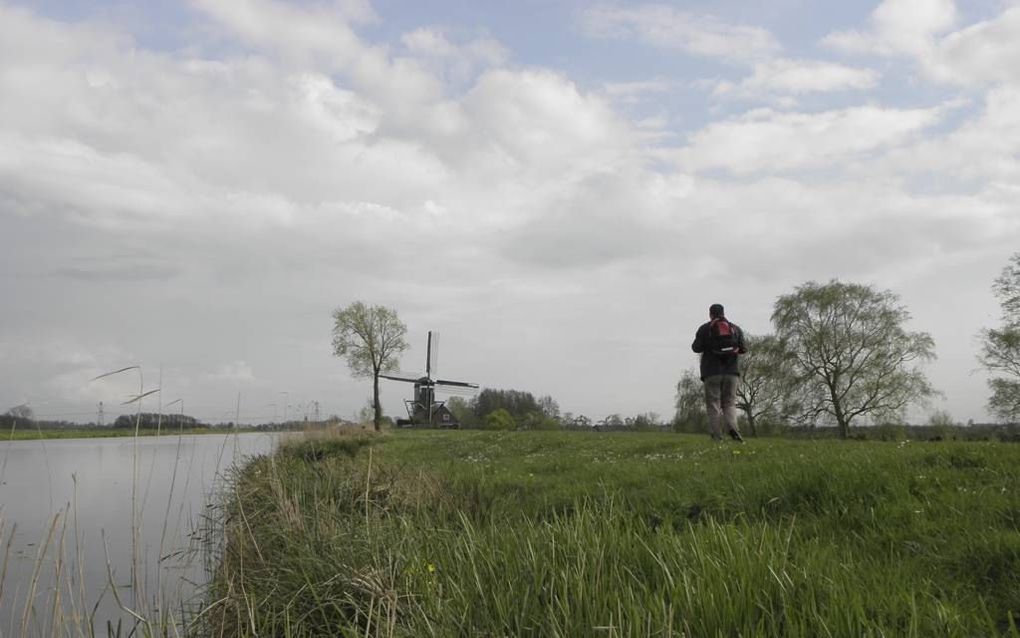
[[538, 421], [500, 420]]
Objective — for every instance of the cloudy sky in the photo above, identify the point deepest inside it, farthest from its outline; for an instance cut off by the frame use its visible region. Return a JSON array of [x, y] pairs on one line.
[[560, 188]]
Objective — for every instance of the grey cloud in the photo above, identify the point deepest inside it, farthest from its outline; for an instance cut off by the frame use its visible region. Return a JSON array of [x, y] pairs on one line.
[[116, 272], [601, 222]]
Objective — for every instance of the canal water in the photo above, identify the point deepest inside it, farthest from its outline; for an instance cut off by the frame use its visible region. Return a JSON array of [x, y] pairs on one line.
[[94, 531]]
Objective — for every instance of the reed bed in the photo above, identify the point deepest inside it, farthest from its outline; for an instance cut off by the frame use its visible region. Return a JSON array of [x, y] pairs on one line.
[[577, 534]]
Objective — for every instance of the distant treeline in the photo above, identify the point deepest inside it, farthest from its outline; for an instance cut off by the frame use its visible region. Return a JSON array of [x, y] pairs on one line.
[[150, 420], [494, 409], [9, 421], [145, 421], [506, 410]]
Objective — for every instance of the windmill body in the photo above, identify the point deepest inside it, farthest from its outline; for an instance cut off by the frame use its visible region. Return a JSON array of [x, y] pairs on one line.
[[424, 411]]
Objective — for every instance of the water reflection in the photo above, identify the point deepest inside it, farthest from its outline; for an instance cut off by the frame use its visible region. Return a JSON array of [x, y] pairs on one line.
[[69, 534]]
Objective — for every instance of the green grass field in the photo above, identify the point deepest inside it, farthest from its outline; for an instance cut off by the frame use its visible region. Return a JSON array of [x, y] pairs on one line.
[[589, 534]]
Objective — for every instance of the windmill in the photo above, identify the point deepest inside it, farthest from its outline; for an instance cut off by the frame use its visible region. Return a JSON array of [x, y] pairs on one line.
[[423, 410]]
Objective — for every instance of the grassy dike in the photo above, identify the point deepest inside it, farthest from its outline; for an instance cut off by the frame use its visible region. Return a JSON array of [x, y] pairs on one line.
[[578, 534]]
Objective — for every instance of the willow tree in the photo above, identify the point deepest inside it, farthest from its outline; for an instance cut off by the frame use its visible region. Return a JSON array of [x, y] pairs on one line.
[[849, 344], [371, 338], [691, 415], [768, 381], [1000, 352]]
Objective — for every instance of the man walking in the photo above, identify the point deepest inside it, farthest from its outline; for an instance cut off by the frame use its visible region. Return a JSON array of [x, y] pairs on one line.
[[720, 342]]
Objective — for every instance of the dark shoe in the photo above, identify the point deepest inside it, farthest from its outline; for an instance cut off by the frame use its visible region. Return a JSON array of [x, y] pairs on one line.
[[717, 438], [736, 436]]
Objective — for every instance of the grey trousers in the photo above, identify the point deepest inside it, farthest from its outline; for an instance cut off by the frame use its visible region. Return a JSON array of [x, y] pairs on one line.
[[721, 403]]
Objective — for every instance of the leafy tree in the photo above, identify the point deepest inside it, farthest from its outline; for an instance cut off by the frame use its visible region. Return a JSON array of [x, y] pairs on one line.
[[1005, 400], [690, 404], [538, 421], [367, 411], [23, 411], [500, 419], [18, 415], [849, 345], [613, 420], [549, 407], [517, 403], [1000, 352], [462, 411], [1007, 289], [768, 382], [371, 338], [941, 419], [646, 421]]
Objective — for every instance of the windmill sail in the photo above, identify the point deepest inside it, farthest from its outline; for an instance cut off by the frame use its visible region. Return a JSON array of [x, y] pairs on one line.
[[433, 363], [396, 378], [428, 357], [461, 384]]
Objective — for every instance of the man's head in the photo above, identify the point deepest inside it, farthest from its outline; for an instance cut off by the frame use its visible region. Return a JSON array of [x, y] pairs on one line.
[[715, 311]]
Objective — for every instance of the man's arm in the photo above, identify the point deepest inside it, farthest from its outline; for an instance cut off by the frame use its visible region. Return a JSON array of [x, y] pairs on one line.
[[741, 347], [699, 340]]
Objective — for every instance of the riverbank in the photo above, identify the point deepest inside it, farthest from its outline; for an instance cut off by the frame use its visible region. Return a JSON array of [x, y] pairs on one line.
[[541, 534]]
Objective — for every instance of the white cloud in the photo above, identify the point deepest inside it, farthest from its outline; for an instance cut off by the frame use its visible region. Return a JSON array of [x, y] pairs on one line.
[[300, 32], [429, 42], [634, 92], [899, 26], [433, 43], [458, 63], [765, 140], [984, 150], [987, 52], [356, 11], [321, 37], [341, 113], [538, 123], [774, 78], [668, 28], [783, 76]]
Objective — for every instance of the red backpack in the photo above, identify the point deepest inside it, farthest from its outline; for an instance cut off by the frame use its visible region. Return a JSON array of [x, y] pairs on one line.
[[722, 337]]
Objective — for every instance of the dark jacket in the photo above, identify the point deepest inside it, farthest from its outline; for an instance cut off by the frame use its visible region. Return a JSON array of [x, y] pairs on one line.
[[713, 364]]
